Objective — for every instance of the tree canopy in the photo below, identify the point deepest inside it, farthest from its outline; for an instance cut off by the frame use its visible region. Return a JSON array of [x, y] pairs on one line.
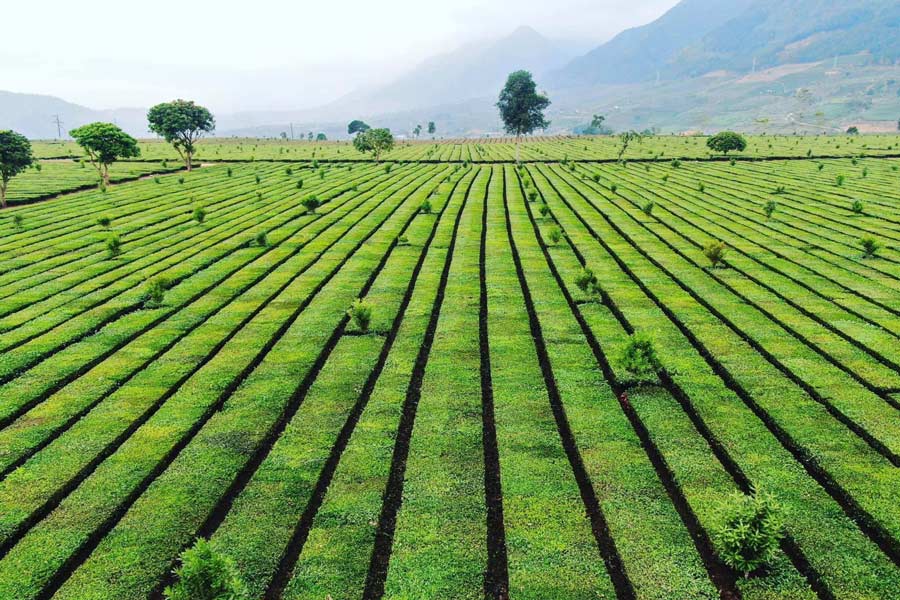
[[375, 142], [727, 141], [104, 144], [431, 127], [357, 126], [321, 137], [15, 157], [521, 106], [181, 123]]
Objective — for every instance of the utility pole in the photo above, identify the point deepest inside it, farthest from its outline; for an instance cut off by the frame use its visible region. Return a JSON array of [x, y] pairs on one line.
[[58, 124]]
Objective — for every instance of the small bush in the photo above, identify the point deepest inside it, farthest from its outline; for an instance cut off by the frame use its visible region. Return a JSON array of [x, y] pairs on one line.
[[780, 190], [840, 179], [425, 207], [229, 172], [205, 574], [749, 532], [261, 239], [639, 358], [402, 240], [311, 203], [544, 210], [820, 166], [857, 207], [870, 246], [156, 292], [199, 214], [532, 196], [257, 179], [387, 168], [17, 221], [104, 221], [715, 252], [596, 177], [181, 180], [361, 313], [554, 235], [299, 184], [613, 188], [648, 208], [587, 281], [769, 208], [288, 171], [113, 245], [157, 180]]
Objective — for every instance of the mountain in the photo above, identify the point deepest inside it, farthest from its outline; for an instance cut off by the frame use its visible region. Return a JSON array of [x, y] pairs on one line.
[[476, 70], [34, 115], [638, 54]]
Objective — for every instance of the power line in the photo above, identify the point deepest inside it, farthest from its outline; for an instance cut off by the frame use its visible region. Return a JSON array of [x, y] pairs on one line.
[[58, 126]]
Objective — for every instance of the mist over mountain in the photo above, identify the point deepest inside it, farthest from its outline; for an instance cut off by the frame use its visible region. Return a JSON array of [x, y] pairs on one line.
[[703, 64]]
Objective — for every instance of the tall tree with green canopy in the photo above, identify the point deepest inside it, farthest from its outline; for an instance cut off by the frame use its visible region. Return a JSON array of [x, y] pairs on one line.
[[181, 123], [15, 157], [417, 131], [104, 144], [375, 142], [727, 141], [357, 126], [522, 107], [431, 127]]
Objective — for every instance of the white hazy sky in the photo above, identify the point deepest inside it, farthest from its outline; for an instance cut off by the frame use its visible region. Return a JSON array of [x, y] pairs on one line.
[[264, 54]]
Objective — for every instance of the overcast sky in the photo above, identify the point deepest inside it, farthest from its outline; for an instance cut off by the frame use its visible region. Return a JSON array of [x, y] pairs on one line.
[[264, 54]]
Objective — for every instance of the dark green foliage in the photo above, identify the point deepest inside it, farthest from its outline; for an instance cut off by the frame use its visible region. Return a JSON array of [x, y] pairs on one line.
[[648, 208], [113, 245], [425, 208], [749, 532], [199, 214], [521, 106], [857, 207], [288, 171], [554, 235], [640, 360], [375, 142], [103, 221], [727, 141], [15, 157], [544, 210], [587, 281], [156, 291], [299, 184], [311, 203], [205, 574], [257, 178], [181, 123], [229, 171], [361, 313], [17, 221], [357, 126], [870, 246], [715, 252], [181, 180], [104, 144], [769, 208], [532, 195], [261, 240], [839, 180]]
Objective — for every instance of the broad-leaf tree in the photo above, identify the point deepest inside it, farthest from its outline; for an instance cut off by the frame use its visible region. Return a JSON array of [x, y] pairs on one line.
[[15, 157], [357, 126], [417, 131], [321, 137], [181, 123], [522, 107], [104, 144], [626, 138], [374, 142], [726, 142], [431, 127]]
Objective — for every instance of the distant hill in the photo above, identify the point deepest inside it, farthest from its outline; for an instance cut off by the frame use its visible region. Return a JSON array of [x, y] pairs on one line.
[[33, 115], [473, 71]]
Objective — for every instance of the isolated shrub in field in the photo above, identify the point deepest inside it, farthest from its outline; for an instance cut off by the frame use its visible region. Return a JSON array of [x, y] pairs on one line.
[[532, 196], [17, 221], [715, 252], [596, 177], [311, 203], [554, 235], [857, 207], [425, 208], [821, 166], [780, 190], [545, 210], [205, 574], [288, 171], [387, 168], [261, 240], [257, 178], [165, 164], [648, 207], [676, 163], [229, 172], [870, 246], [587, 282], [113, 245], [157, 180], [769, 208], [701, 188], [361, 313], [749, 532], [156, 292], [402, 240], [613, 188], [299, 184], [639, 358], [104, 221], [199, 214], [321, 173], [840, 179], [259, 195], [181, 180]]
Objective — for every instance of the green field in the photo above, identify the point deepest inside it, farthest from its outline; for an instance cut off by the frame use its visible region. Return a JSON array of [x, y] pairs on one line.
[[483, 439]]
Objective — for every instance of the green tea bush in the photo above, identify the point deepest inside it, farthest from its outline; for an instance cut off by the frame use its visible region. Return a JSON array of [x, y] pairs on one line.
[[104, 221], [749, 532], [288, 171], [545, 210], [857, 207], [532, 196], [554, 235], [640, 360], [113, 245], [587, 282], [311, 203], [769, 208], [361, 313], [156, 292], [261, 239], [229, 172], [425, 207], [299, 184], [205, 574], [870, 246], [181, 180], [715, 252], [17, 221], [648, 207], [199, 214]]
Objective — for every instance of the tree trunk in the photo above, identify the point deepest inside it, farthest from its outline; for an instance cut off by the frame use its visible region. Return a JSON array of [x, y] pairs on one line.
[[188, 162], [106, 175], [517, 149], [3, 194]]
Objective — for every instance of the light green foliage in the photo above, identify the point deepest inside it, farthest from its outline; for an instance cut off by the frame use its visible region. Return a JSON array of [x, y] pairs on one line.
[[749, 532], [181, 123], [15, 157], [311, 203], [727, 141], [205, 574], [361, 314], [375, 142], [104, 144], [715, 252], [113, 245], [640, 360], [870, 246]]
